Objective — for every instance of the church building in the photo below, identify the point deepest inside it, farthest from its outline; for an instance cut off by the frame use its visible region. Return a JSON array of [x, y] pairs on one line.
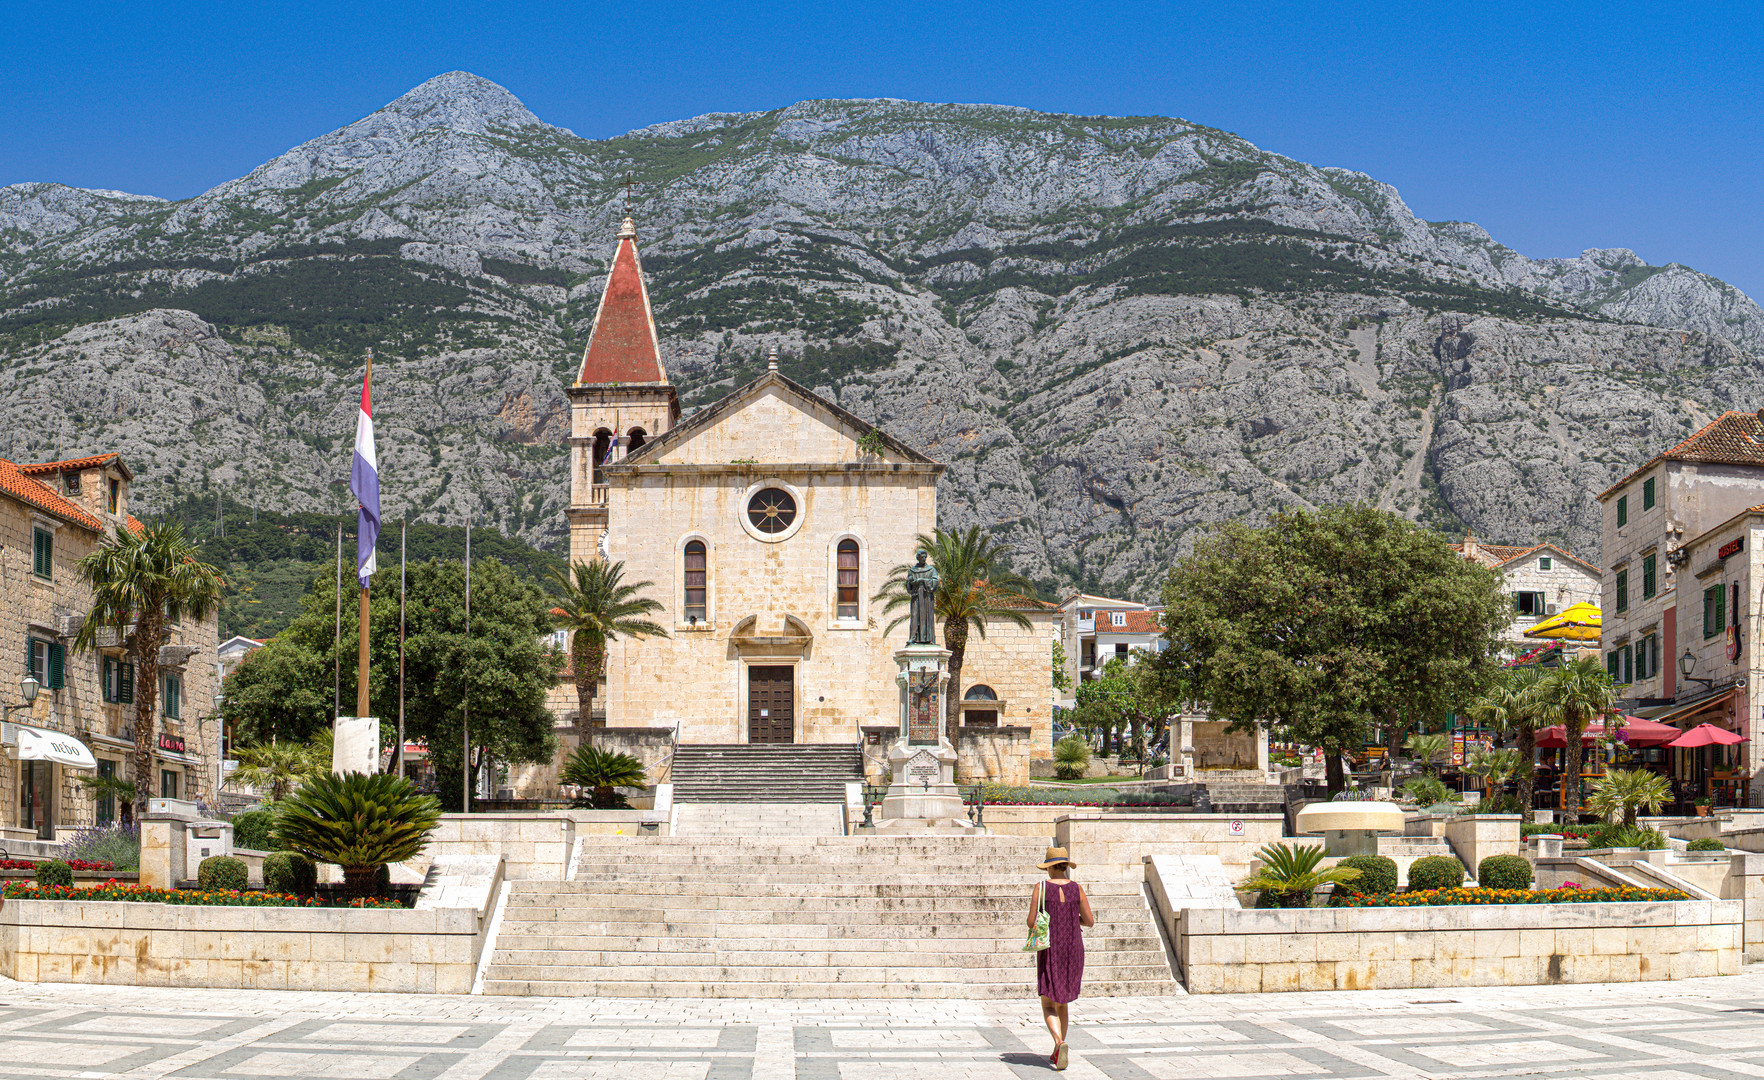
[[766, 522]]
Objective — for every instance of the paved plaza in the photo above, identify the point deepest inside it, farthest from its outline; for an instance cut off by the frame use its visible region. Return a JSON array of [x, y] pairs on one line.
[[1658, 1031]]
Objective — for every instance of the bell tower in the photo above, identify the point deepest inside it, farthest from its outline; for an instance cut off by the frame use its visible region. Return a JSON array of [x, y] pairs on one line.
[[621, 398]]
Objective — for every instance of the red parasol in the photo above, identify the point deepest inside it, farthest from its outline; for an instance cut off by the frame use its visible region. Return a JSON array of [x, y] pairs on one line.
[[1635, 731], [1706, 735]]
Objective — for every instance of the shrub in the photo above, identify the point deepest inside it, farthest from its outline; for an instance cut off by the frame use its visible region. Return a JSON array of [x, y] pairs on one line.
[[54, 872], [1426, 790], [1500, 804], [1071, 758], [253, 829], [360, 822], [1504, 872], [114, 848], [1377, 874], [290, 872], [601, 773], [1435, 872], [1626, 836], [1290, 875], [223, 873], [1707, 843]]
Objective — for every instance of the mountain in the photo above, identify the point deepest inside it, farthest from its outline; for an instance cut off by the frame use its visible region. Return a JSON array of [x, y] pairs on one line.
[[1114, 329]]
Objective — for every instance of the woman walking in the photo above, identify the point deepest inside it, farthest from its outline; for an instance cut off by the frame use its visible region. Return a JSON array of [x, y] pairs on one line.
[[1059, 968]]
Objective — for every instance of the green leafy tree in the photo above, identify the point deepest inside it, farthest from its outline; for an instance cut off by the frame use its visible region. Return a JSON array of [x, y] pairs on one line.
[[1622, 793], [281, 692], [1575, 694], [1325, 623], [1135, 694], [974, 588], [1062, 679], [502, 671], [137, 577], [360, 822], [598, 605], [274, 768], [603, 772], [1512, 707]]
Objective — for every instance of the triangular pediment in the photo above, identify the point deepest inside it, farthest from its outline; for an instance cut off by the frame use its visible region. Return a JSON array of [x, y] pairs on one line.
[[774, 421]]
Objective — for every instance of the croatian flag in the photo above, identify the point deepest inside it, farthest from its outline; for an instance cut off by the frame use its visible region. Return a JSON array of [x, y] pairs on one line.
[[364, 484]]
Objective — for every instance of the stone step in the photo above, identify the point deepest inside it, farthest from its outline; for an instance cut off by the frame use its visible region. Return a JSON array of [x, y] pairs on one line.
[[1136, 963], [672, 936], [855, 989], [774, 972]]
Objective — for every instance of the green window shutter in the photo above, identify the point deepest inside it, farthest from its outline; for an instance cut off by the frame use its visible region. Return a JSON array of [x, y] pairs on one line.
[[1611, 665], [1622, 590], [1648, 493], [1628, 665], [42, 553], [1648, 566], [57, 659], [1622, 511], [126, 683], [1713, 613]]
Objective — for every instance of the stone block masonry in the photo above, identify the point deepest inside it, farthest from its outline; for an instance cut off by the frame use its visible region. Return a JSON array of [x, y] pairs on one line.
[[1225, 951]]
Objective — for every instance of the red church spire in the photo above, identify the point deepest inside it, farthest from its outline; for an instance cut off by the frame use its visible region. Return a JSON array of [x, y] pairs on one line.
[[623, 347]]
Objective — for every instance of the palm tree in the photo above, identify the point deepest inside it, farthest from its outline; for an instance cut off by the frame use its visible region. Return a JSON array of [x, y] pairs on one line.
[[1575, 694], [973, 589], [1428, 749], [276, 767], [1513, 707], [1626, 791], [596, 605], [138, 575], [360, 822], [110, 787], [603, 772], [1290, 874]]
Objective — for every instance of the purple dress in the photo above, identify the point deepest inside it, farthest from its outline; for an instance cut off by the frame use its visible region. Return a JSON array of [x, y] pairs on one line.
[[1059, 968]]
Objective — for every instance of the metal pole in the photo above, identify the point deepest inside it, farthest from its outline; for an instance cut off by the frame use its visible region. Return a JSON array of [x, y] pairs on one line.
[[401, 527], [337, 642], [361, 644], [466, 686]]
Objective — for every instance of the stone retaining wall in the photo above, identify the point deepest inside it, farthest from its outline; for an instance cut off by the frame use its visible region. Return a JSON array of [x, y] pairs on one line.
[[535, 846], [1224, 951], [135, 944], [999, 754], [1114, 845]]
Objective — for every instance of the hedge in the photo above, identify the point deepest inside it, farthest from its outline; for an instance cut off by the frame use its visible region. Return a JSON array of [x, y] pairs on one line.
[[1504, 872], [1435, 872]]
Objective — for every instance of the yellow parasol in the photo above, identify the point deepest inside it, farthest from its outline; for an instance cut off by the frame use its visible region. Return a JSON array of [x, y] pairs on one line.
[[1580, 622]]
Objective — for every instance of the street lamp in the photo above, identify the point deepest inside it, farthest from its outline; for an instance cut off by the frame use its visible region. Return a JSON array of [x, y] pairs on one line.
[[28, 686], [1687, 664]]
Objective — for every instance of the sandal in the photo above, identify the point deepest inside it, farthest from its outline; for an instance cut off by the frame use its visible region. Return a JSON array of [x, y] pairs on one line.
[[1060, 1058]]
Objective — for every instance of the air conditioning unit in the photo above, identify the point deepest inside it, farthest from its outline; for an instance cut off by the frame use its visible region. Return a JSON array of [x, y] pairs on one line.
[[1550, 609]]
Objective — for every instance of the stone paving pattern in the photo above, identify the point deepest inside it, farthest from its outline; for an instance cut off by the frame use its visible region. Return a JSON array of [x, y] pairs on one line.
[[1702, 1029]]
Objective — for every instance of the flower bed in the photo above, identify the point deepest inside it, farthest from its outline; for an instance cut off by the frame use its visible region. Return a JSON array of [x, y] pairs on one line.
[[116, 890], [1567, 832], [1099, 796], [1455, 897], [72, 864]]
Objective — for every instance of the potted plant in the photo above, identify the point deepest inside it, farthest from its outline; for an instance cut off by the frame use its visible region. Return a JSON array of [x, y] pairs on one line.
[[1702, 805]]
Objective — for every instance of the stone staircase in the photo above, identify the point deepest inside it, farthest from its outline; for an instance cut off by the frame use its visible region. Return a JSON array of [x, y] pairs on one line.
[[1245, 796], [765, 772], [831, 917], [738, 819]]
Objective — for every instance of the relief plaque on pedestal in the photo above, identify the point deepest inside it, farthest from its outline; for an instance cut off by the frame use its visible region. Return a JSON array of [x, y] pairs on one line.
[[924, 768], [922, 710]]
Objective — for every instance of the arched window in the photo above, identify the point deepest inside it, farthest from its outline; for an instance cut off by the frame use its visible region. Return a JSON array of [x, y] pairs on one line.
[[980, 692], [637, 438], [848, 579], [602, 446], [695, 579]]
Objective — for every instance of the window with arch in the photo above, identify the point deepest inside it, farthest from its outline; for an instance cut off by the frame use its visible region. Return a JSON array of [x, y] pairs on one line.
[[696, 569], [980, 692], [848, 579], [602, 449], [635, 439]]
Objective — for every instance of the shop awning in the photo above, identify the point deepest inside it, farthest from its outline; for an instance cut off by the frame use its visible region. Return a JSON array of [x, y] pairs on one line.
[[1578, 622], [37, 744], [1681, 711]]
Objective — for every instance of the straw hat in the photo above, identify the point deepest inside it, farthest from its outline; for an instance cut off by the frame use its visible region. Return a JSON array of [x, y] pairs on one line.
[[1056, 856]]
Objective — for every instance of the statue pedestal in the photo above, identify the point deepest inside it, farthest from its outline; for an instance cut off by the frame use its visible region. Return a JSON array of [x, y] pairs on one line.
[[921, 764]]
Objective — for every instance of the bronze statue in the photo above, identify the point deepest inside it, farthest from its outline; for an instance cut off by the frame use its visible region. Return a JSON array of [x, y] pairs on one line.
[[921, 584]]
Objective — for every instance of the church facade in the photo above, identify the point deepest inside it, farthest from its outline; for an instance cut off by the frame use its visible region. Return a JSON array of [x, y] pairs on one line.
[[766, 523]]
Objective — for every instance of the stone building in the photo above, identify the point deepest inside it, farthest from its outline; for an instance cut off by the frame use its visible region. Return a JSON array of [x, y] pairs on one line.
[[766, 521], [51, 515], [1083, 617], [1542, 579], [1681, 587]]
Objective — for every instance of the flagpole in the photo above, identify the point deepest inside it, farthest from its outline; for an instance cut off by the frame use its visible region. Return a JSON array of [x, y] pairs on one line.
[[401, 528], [337, 643], [361, 646], [466, 687]]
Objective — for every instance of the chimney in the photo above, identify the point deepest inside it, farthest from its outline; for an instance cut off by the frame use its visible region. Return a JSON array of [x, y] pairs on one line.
[[1469, 544]]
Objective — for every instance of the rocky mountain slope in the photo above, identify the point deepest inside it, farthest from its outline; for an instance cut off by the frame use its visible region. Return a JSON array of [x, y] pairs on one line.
[[1113, 329]]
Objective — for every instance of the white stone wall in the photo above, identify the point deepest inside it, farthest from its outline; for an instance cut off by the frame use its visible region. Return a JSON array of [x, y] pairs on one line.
[[1226, 951], [1565, 583], [1018, 665], [31, 607]]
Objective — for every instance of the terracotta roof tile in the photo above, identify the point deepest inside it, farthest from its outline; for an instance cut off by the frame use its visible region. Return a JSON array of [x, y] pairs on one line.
[[1733, 438], [1135, 622], [74, 464], [623, 347], [14, 481]]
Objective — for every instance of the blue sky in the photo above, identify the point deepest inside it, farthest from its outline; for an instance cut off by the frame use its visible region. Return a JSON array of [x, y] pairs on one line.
[[1558, 126]]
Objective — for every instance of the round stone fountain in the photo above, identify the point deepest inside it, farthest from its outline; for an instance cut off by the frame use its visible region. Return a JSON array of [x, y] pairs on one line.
[[1350, 828]]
